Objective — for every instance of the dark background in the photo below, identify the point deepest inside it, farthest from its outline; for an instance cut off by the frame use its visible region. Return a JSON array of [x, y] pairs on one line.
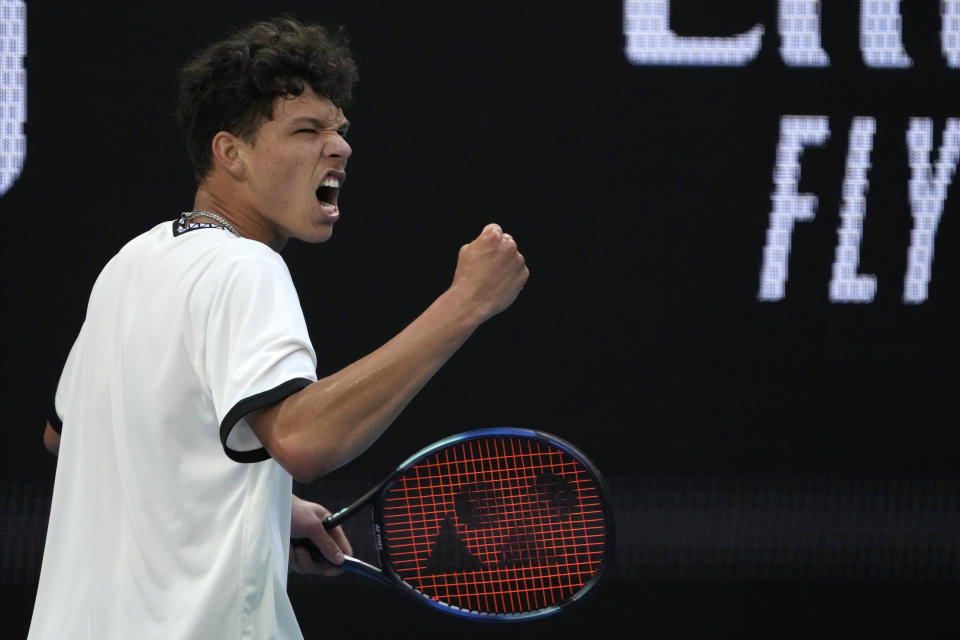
[[734, 432]]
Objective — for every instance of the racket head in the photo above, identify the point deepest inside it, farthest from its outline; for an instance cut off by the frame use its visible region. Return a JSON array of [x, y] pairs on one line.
[[503, 524]]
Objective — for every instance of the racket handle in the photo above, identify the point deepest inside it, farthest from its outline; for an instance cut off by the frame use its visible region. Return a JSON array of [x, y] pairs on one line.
[[334, 519], [308, 544], [351, 564], [331, 521]]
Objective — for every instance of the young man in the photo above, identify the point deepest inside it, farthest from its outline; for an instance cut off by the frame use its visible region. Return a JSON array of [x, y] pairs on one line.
[[190, 397]]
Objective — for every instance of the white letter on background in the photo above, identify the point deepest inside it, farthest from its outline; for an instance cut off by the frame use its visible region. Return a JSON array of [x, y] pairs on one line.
[[13, 90], [796, 132], [881, 37], [799, 26], [846, 285], [650, 41], [950, 32], [928, 191]]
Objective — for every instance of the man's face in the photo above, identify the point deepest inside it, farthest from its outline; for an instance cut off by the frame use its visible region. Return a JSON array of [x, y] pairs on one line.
[[295, 166]]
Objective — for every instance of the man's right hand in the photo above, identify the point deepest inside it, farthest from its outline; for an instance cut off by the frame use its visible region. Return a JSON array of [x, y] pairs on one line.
[[490, 271], [330, 422]]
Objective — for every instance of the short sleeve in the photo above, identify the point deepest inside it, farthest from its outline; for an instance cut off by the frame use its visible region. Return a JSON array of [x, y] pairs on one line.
[[256, 348]]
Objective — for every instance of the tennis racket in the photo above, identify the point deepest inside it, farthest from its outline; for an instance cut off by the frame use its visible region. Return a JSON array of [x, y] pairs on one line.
[[494, 524]]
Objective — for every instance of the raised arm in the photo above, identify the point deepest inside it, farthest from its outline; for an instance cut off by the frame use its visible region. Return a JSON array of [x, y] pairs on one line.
[[330, 422]]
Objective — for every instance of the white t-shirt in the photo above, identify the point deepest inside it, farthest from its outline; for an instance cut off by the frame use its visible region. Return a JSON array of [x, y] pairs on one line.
[[169, 520]]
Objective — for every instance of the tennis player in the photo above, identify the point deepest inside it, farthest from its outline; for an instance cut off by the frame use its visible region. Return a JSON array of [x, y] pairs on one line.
[[190, 398]]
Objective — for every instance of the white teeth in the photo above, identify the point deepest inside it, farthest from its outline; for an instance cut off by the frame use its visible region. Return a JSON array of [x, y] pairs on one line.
[[326, 206], [330, 181]]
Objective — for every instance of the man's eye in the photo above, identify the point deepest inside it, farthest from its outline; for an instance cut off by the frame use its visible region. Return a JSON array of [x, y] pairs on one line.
[[306, 131]]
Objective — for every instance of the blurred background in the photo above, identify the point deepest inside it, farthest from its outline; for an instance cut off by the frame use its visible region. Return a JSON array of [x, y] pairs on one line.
[[785, 467]]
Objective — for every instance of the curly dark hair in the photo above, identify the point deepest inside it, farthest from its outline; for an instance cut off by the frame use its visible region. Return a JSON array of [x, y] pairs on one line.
[[232, 84]]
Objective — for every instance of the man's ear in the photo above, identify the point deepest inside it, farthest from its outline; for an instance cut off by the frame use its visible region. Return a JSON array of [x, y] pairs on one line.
[[226, 154]]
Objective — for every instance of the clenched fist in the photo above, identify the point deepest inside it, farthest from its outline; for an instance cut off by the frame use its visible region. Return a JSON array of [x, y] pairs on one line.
[[491, 271]]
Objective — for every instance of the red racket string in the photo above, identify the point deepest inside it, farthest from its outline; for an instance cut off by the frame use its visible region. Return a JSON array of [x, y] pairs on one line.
[[524, 525]]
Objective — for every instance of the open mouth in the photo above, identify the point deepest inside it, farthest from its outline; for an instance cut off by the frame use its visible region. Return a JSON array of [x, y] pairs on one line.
[[328, 191]]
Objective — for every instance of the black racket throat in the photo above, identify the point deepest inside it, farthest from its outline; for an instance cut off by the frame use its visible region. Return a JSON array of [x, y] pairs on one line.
[[494, 524], [335, 519]]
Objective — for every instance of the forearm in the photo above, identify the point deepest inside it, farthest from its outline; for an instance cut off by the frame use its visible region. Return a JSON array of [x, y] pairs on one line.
[[51, 439], [327, 424]]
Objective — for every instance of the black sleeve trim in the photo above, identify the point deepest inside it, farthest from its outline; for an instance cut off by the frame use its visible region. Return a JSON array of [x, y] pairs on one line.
[[55, 422], [254, 402]]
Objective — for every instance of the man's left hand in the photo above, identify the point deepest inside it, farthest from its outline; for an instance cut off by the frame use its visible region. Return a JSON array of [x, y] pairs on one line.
[[306, 521]]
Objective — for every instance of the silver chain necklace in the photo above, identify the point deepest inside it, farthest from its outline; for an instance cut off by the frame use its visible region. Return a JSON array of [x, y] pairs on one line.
[[199, 213]]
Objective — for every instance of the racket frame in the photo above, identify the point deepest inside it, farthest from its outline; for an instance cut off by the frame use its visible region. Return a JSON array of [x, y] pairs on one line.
[[387, 575]]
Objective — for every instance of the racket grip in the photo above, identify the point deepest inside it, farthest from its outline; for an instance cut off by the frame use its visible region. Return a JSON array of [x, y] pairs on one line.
[[307, 544], [329, 522], [334, 519]]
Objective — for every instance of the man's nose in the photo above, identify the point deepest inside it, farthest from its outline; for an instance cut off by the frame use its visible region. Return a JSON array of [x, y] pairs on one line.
[[338, 147]]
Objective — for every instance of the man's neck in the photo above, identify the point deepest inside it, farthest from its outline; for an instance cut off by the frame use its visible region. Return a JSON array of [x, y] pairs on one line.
[[214, 198]]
